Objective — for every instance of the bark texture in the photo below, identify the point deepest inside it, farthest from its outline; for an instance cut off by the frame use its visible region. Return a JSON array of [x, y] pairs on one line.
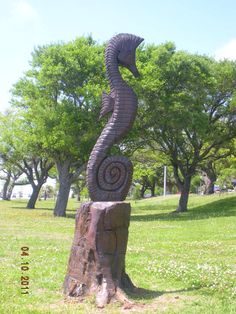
[[209, 177], [5, 187], [62, 198], [97, 259], [183, 201], [65, 180], [34, 196]]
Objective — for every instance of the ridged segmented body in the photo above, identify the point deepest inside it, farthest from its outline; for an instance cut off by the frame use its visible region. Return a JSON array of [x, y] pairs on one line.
[[109, 178]]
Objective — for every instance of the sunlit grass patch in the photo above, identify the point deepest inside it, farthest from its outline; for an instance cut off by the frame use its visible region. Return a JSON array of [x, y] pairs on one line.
[[186, 262]]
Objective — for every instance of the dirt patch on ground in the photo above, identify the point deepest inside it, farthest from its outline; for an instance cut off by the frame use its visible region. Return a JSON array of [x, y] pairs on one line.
[[160, 304]]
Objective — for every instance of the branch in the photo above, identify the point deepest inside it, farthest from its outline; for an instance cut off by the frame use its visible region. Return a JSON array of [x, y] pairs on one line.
[[77, 173], [36, 163], [29, 174], [176, 175]]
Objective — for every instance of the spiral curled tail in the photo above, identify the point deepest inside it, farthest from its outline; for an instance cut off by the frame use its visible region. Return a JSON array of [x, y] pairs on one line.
[[111, 180]]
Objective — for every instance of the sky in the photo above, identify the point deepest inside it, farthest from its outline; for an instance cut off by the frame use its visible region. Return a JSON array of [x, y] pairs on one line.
[[198, 26]]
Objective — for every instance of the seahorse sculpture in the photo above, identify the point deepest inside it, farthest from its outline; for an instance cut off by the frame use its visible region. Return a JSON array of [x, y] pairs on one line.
[[109, 177]]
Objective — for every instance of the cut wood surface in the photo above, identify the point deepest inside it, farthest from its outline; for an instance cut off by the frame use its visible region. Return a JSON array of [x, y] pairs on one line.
[[97, 260]]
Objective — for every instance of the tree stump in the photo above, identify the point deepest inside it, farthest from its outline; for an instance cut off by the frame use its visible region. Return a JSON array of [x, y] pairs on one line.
[[97, 260]]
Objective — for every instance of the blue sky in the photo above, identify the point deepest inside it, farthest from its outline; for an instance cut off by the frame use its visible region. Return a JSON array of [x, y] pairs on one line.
[[202, 26]]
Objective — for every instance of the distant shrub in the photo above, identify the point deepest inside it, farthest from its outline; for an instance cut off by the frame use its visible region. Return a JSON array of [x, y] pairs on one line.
[[136, 195]]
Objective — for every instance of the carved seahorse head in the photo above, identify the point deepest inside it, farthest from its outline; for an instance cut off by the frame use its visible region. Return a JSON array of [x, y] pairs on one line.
[[126, 45]]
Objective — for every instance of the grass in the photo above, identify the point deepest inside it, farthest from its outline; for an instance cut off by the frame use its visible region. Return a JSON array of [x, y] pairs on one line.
[[186, 263]]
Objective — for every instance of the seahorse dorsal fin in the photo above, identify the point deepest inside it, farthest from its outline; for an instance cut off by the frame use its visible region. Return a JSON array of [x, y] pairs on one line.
[[107, 104]]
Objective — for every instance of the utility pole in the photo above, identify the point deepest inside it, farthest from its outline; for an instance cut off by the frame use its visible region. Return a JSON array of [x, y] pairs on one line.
[[165, 170]]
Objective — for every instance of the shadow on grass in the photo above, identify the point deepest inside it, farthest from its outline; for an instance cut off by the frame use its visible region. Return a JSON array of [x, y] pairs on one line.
[[43, 208], [145, 294], [221, 208], [38, 208], [71, 215]]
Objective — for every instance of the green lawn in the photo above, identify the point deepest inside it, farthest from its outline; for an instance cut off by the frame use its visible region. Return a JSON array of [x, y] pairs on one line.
[[186, 263]]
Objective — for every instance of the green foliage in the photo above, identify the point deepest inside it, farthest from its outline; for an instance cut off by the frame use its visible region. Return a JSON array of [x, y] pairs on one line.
[[59, 97], [136, 195], [227, 172], [47, 191], [84, 193], [148, 171], [186, 107], [146, 164], [195, 183], [57, 101], [190, 104], [21, 151]]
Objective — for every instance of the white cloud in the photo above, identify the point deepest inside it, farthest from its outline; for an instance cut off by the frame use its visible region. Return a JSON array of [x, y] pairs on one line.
[[228, 51], [22, 11]]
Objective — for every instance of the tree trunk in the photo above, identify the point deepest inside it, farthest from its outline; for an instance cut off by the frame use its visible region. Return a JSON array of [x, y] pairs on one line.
[[10, 190], [209, 178], [97, 260], [169, 187], [34, 196], [64, 188], [210, 188], [142, 191], [183, 201], [45, 195], [5, 187], [152, 188], [62, 199]]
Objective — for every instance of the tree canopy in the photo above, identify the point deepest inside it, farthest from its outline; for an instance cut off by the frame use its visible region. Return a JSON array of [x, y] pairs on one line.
[[187, 113], [187, 108], [58, 99]]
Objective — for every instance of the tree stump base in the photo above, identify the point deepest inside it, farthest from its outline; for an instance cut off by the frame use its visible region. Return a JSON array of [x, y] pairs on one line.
[[97, 259]]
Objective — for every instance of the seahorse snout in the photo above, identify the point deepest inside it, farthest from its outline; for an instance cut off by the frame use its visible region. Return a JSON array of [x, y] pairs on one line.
[[126, 55], [133, 69]]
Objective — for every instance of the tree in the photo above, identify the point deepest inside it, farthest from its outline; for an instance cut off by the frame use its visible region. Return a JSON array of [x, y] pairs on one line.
[[226, 170], [78, 185], [9, 174], [47, 191], [187, 108], [20, 150], [209, 177], [59, 97], [148, 170], [36, 171], [210, 168]]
